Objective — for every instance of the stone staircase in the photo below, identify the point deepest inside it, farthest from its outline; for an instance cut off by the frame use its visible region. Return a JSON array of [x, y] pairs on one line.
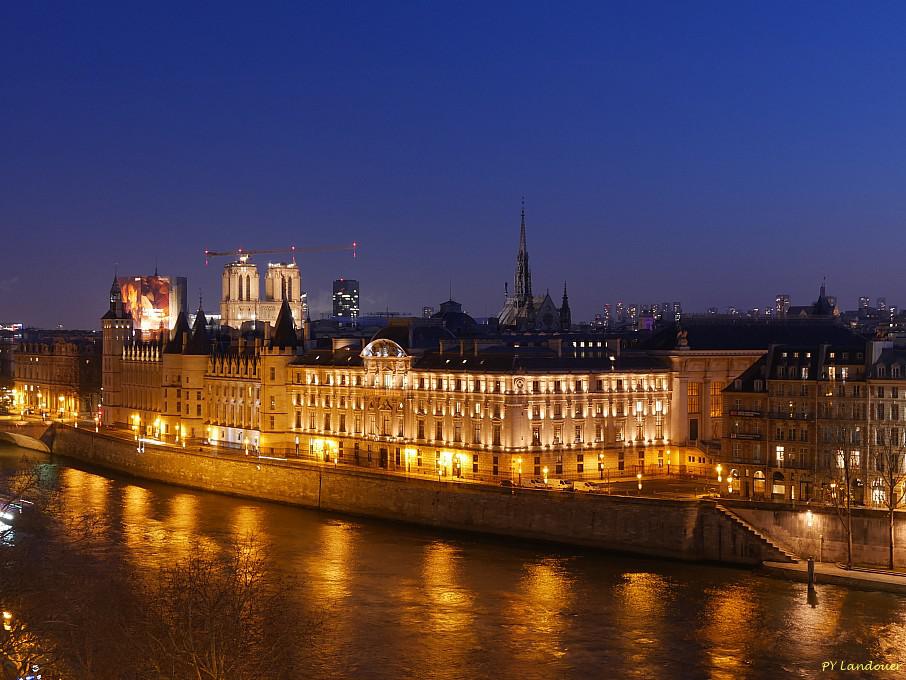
[[774, 552]]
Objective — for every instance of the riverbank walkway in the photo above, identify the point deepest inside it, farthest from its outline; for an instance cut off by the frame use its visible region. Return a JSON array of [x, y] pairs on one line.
[[829, 573]]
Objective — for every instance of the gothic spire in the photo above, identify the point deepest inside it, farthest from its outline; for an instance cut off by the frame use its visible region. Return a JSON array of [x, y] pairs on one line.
[[117, 310], [523, 278], [565, 313]]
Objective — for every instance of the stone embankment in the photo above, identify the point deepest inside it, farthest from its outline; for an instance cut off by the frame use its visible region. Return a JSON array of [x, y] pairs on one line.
[[673, 528]]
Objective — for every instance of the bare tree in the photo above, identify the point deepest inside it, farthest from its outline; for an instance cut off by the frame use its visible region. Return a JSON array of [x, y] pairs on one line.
[[219, 618], [78, 611], [890, 463], [842, 476]]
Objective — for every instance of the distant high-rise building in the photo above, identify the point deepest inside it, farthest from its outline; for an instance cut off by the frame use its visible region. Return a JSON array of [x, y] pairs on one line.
[[427, 312], [882, 304], [346, 298], [620, 312], [677, 311], [864, 303], [606, 316], [712, 311], [781, 305]]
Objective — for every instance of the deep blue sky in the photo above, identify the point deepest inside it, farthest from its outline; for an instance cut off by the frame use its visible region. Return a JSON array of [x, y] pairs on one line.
[[713, 153]]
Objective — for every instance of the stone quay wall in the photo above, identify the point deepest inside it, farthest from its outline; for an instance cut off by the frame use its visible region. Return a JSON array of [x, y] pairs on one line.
[[825, 539], [678, 529]]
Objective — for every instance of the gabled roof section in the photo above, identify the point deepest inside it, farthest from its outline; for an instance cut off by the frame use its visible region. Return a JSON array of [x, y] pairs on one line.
[[284, 335]]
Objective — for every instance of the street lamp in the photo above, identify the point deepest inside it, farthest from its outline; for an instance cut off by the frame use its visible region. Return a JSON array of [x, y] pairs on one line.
[[545, 474], [601, 465], [638, 476], [719, 473], [519, 469]]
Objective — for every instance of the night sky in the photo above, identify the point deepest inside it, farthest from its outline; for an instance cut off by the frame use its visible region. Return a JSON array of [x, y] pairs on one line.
[[711, 153]]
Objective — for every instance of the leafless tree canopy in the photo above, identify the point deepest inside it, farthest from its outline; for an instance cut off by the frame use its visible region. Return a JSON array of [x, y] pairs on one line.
[[76, 611]]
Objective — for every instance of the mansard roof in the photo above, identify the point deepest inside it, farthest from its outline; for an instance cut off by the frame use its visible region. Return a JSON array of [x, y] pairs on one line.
[[890, 358], [414, 336], [500, 359], [745, 334], [344, 356], [505, 359]]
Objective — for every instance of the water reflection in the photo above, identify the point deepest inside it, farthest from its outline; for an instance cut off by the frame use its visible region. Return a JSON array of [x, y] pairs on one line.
[[639, 628], [406, 602], [732, 614], [135, 522], [538, 615]]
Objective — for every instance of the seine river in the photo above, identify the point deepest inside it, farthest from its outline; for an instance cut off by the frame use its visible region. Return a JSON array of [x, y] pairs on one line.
[[402, 601]]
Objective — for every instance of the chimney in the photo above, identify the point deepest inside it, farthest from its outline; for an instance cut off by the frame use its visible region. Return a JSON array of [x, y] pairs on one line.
[[441, 346], [475, 347], [462, 347]]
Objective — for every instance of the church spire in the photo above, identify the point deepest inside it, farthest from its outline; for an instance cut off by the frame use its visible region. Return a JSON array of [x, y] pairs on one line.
[[566, 320], [117, 310], [523, 278]]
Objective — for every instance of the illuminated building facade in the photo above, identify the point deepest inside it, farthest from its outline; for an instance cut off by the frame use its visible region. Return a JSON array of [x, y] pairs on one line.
[[346, 298], [791, 415], [58, 378], [489, 413], [240, 297]]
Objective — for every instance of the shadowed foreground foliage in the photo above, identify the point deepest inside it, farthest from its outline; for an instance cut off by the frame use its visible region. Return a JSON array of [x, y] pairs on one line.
[[79, 612]]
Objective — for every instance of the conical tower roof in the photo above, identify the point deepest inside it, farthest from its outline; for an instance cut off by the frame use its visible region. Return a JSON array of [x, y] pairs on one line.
[[199, 343], [178, 335], [284, 335]]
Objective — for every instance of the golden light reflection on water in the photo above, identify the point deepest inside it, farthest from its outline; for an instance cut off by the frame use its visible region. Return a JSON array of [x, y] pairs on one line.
[[136, 523], [540, 610], [246, 523], [733, 613], [182, 538], [436, 610], [450, 603], [85, 499], [85, 493], [641, 600], [154, 542], [329, 567]]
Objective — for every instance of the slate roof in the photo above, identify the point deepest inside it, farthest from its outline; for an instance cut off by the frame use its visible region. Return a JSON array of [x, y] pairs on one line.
[[179, 335], [284, 335], [751, 335], [199, 343], [415, 336]]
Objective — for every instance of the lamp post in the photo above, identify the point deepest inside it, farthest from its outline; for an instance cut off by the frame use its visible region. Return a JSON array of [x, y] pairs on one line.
[[638, 476], [601, 466], [519, 469]]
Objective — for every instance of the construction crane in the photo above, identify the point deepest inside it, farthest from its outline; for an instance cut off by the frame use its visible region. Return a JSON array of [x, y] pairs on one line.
[[243, 255]]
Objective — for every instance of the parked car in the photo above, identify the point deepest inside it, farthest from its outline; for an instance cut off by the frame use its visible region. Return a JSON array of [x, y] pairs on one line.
[[539, 484], [565, 485], [587, 486], [509, 483]]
